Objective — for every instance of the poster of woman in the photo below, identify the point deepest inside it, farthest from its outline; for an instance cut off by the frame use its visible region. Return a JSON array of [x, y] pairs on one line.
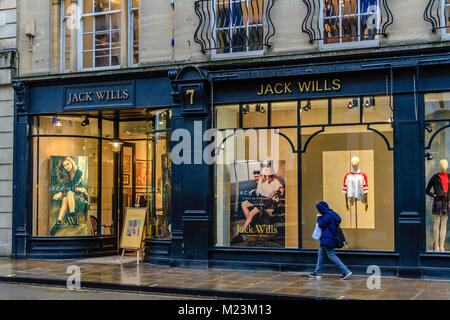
[[260, 216], [68, 196]]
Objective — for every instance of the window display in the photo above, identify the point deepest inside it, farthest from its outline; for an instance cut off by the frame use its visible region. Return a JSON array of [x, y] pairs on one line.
[[345, 160], [437, 148]]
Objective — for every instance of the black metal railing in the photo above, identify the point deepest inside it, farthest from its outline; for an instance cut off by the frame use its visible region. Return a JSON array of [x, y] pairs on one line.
[[437, 12], [228, 26], [336, 21]]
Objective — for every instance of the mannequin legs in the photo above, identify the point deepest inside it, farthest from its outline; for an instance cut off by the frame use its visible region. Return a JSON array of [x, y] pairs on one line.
[[439, 232], [443, 232]]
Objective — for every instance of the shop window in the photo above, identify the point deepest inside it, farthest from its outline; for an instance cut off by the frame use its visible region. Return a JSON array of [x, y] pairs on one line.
[[346, 110], [437, 156], [351, 168], [256, 176], [238, 25], [347, 23]]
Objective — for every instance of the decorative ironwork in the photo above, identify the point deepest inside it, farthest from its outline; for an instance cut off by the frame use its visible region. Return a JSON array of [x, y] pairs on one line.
[[21, 95], [437, 13], [335, 21], [228, 26]]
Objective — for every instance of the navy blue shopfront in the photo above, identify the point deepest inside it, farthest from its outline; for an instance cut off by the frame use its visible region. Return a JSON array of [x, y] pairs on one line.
[[199, 224]]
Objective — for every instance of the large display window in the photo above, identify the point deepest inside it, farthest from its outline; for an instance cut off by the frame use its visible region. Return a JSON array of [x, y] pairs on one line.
[[88, 168], [437, 156], [277, 160]]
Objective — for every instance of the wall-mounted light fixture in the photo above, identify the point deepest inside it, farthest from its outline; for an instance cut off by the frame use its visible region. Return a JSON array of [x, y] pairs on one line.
[[370, 102], [429, 127], [260, 108], [353, 103], [85, 121], [428, 156], [56, 122], [307, 106]]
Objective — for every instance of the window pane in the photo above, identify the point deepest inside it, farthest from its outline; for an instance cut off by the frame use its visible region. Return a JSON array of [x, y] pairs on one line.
[[255, 115], [87, 60], [437, 201], [102, 61], [102, 23], [66, 125], [283, 113], [88, 42], [437, 105], [349, 13], [65, 186], [351, 169], [256, 198], [376, 109], [116, 4], [101, 5], [227, 116], [331, 25], [135, 3], [88, 24], [314, 112], [87, 6], [345, 110]]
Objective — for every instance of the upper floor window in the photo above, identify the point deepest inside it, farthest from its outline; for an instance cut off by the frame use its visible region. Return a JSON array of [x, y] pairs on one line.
[[133, 50], [238, 25], [234, 28], [101, 35], [92, 33], [349, 23], [445, 16]]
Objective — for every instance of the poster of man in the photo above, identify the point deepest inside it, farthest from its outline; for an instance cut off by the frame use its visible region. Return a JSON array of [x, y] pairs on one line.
[[260, 194], [68, 196]]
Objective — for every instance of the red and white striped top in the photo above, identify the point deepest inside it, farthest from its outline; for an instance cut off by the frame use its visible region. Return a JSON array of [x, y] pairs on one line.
[[355, 185]]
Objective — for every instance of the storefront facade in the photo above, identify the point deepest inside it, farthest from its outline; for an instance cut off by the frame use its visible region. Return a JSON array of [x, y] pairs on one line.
[[365, 134]]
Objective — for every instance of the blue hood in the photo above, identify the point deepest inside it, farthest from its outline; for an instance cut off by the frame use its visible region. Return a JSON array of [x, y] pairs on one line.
[[323, 208]]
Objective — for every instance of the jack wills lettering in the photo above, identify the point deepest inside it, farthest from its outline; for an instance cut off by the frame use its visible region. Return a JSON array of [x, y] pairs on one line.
[[89, 96], [302, 86]]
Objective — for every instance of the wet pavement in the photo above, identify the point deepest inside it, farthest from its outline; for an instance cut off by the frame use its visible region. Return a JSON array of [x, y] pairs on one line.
[[239, 284]]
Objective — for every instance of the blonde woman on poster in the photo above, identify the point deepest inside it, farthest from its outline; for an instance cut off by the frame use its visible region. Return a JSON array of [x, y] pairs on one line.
[[72, 196]]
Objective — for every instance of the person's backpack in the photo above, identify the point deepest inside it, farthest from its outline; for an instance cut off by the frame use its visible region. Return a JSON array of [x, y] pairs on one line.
[[339, 238]]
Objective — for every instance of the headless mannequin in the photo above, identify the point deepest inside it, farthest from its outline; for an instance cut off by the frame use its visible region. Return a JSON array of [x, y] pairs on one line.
[[440, 221], [355, 166]]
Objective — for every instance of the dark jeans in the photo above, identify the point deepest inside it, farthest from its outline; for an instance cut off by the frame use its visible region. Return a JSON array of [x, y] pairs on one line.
[[332, 256]]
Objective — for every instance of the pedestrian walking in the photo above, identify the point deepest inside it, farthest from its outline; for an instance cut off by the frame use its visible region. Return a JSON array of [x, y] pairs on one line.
[[327, 220]]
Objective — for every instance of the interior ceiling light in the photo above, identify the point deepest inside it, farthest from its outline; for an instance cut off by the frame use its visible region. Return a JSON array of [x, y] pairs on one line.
[[429, 127], [429, 156], [353, 103], [370, 102]]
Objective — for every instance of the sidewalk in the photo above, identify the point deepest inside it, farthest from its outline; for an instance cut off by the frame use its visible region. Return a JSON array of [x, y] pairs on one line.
[[107, 273]]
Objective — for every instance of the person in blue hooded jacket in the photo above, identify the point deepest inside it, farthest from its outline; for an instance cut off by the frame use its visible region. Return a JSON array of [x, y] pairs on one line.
[[327, 219]]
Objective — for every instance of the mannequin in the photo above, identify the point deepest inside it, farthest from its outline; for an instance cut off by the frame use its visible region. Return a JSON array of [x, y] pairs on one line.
[[355, 187], [440, 183]]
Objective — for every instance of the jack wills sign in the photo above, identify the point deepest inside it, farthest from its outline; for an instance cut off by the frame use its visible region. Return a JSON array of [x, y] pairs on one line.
[[105, 95]]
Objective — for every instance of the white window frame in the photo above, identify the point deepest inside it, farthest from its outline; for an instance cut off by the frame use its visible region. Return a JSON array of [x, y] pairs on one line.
[[445, 35], [353, 44], [131, 11], [80, 39], [239, 54]]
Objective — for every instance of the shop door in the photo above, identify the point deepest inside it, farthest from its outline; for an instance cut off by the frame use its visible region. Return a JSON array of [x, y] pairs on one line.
[[127, 182]]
